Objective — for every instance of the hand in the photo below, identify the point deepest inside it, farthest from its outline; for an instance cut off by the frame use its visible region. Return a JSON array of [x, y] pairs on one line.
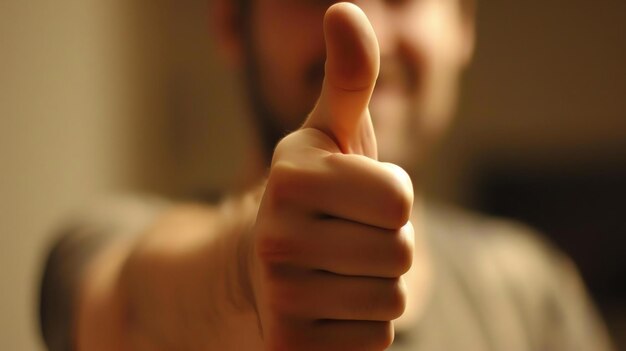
[[332, 236]]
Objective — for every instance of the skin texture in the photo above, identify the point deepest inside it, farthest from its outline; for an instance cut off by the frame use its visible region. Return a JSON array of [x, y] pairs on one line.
[[317, 256]]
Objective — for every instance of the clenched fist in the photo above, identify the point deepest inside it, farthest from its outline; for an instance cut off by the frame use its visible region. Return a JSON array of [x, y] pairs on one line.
[[332, 237]]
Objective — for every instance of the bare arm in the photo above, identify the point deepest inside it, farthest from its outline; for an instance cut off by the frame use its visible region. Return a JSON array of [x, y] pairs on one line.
[[312, 261], [181, 285], [76, 243]]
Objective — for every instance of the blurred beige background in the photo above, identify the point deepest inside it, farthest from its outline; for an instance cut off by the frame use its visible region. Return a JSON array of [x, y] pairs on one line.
[[99, 97]]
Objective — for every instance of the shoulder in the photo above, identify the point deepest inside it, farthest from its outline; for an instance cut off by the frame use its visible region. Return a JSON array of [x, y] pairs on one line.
[[484, 240], [520, 284], [497, 255]]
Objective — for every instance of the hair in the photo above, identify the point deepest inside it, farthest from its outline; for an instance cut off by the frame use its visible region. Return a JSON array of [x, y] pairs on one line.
[[468, 7]]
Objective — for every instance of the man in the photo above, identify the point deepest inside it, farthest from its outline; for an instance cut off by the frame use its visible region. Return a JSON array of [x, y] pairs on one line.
[[333, 249]]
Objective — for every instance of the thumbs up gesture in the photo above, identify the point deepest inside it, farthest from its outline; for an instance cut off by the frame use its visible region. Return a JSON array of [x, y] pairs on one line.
[[332, 236]]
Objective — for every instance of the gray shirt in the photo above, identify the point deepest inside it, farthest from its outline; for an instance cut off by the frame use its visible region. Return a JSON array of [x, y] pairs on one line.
[[497, 285], [500, 286]]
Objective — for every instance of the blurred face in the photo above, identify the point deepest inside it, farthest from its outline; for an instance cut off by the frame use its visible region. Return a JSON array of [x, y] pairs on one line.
[[424, 45]]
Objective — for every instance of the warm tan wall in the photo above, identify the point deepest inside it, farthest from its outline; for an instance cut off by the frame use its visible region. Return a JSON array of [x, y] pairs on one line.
[[60, 128], [547, 89], [105, 96], [87, 92], [549, 79]]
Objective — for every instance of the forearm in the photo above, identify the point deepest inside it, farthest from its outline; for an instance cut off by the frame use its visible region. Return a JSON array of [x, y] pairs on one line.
[[101, 322], [83, 237], [183, 285]]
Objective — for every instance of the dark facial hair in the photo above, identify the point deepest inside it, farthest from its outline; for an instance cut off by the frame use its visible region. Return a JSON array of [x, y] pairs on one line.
[[266, 120]]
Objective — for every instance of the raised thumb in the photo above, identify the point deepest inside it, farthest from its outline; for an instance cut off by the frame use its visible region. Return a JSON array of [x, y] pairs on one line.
[[352, 64]]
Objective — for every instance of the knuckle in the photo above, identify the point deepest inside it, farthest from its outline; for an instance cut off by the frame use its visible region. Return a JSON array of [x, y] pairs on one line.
[[284, 299], [392, 300], [281, 183], [279, 343], [279, 338], [398, 202], [387, 336], [285, 145], [382, 337], [290, 182], [403, 248], [396, 300], [272, 250]]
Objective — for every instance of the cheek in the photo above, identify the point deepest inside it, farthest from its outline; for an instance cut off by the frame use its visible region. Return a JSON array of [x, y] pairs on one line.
[[435, 32], [437, 40]]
